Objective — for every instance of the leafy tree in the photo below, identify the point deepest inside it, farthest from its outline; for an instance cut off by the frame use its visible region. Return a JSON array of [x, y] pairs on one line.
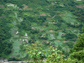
[[78, 55], [35, 52], [78, 49], [58, 57]]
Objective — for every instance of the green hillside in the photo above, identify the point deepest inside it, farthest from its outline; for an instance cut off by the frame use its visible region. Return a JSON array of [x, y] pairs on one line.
[[55, 23]]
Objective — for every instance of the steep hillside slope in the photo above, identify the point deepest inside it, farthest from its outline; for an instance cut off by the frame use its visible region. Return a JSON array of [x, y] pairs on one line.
[[50, 22]]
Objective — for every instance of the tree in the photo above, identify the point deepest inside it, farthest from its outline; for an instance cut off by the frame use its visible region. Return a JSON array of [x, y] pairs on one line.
[[58, 57], [35, 52], [78, 48]]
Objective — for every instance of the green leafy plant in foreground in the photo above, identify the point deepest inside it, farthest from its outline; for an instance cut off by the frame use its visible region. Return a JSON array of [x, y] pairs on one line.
[[52, 55], [35, 52], [59, 58]]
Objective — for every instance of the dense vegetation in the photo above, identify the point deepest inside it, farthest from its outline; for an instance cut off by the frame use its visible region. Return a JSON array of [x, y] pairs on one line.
[[5, 44], [42, 29]]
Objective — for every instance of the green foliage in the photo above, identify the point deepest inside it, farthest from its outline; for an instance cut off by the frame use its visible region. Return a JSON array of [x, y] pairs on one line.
[[5, 44], [78, 49], [78, 55], [70, 36], [80, 43], [59, 58], [46, 21], [5, 49], [55, 58], [34, 51]]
